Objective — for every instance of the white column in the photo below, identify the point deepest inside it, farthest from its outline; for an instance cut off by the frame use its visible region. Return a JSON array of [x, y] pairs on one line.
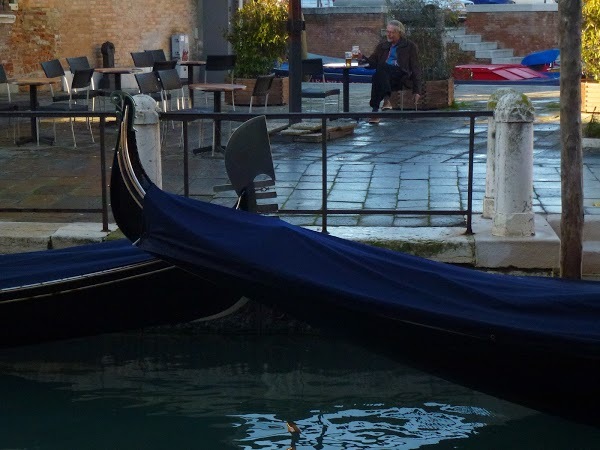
[[488, 199], [147, 134], [513, 216]]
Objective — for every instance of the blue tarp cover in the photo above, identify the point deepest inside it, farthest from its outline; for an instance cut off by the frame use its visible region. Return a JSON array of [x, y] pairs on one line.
[[266, 251], [22, 269], [541, 57]]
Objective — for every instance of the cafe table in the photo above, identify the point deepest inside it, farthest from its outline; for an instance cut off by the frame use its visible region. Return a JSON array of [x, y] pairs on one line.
[[216, 89], [345, 80], [33, 84], [117, 72], [190, 65]]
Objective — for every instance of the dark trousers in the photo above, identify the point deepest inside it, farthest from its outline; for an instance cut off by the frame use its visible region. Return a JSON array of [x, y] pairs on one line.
[[385, 80]]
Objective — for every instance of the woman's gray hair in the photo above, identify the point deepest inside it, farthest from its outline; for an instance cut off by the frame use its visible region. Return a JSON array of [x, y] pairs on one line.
[[399, 26]]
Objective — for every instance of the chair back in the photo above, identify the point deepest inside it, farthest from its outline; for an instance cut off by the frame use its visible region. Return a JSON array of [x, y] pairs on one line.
[[53, 68], [169, 79], [263, 85], [157, 54], [82, 79], [163, 65], [220, 62], [313, 67], [142, 59], [78, 63], [148, 83], [4, 80]]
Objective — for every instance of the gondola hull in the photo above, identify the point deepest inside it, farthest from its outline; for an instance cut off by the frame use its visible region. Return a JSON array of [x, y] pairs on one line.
[[98, 288]]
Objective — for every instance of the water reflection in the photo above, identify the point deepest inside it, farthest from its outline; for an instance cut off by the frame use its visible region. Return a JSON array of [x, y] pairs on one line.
[[366, 427], [154, 392]]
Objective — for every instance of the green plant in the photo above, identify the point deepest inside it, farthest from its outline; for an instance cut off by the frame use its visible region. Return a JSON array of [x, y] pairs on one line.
[[592, 128], [590, 39], [258, 35], [425, 26]]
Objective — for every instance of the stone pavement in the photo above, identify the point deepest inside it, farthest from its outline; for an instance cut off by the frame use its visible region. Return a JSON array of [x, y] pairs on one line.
[[414, 164]]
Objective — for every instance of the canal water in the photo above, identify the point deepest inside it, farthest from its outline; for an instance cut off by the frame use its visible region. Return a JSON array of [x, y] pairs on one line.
[[168, 391]]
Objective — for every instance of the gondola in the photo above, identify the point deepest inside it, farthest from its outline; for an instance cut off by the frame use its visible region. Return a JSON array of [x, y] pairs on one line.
[[531, 340]]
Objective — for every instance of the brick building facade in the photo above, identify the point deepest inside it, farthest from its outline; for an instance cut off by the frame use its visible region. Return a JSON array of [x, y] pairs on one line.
[[48, 29]]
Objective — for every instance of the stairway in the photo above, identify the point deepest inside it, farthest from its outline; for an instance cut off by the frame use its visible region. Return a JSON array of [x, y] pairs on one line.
[[487, 51]]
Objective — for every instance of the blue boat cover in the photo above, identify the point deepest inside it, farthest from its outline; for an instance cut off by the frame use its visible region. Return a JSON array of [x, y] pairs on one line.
[[22, 269], [541, 58], [265, 251]]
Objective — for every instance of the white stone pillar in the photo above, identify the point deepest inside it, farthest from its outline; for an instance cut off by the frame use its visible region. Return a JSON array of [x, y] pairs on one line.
[[488, 199], [514, 115], [147, 134]]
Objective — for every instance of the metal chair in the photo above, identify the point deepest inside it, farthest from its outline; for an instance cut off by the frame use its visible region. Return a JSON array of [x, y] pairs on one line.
[[150, 85], [9, 104], [173, 89], [262, 87], [220, 63], [82, 63], [157, 54], [314, 68], [142, 59], [78, 91], [163, 65]]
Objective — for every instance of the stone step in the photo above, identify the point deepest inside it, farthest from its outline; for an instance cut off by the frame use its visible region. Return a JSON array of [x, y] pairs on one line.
[[511, 60], [466, 39], [493, 54], [478, 46]]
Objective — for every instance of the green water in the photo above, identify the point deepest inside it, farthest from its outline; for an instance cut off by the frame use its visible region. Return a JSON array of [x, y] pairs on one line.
[[134, 391]]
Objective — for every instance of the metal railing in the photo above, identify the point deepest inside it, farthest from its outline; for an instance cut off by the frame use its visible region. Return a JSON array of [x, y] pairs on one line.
[[102, 116], [188, 116]]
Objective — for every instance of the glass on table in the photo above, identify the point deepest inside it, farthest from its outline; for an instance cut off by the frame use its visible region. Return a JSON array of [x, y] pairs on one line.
[[348, 59]]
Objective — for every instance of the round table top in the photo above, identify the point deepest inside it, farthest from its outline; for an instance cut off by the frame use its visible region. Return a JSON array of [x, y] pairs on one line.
[[192, 63], [35, 81], [124, 70], [342, 65], [217, 87]]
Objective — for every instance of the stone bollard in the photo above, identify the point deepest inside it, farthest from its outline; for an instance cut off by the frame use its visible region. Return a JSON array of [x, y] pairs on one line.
[[488, 199], [147, 134], [514, 115]]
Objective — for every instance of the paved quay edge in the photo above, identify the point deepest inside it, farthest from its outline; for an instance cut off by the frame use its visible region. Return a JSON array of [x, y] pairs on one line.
[[445, 244]]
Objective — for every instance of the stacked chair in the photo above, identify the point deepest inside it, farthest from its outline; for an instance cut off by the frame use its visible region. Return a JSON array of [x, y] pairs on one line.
[[77, 98]]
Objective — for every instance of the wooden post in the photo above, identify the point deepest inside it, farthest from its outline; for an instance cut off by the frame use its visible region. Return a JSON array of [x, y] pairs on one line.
[[571, 224]]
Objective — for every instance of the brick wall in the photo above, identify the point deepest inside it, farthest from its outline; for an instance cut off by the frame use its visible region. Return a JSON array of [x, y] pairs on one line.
[[48, 29], [334, 34], [524, 28]]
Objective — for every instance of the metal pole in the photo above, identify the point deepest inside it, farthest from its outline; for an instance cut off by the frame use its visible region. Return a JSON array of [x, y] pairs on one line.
[[295, 27]]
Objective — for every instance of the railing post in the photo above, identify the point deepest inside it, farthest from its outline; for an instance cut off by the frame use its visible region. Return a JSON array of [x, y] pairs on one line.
[[490, 169], [513, 215], [147, 134]]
